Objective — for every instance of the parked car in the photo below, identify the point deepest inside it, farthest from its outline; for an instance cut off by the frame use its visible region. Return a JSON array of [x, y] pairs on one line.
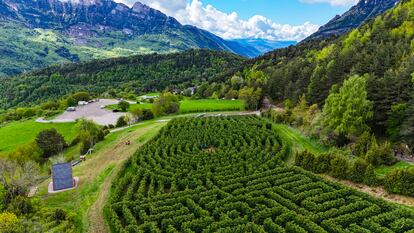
[[71, 109]]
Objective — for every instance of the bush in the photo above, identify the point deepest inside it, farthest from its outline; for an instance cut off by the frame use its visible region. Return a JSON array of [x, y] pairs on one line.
[[339, 166], [370, 178], [400, 181], [2, 198], [362, 144], [380, 154], [121, 122], [8, 221], [147, 115], [357, 170], [51, 142], [20, 206], [123, 105], [166, 104], [59, 215]]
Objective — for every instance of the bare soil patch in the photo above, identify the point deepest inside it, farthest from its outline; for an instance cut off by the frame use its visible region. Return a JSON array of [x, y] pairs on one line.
[[378, 192]]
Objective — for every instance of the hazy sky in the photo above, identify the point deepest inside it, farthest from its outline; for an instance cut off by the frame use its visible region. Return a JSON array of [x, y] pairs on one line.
[[269, 19]]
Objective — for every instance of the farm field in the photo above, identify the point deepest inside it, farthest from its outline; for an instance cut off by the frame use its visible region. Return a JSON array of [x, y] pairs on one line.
[[188, 106], [21, 132], [192, 106], [227, 174], [132, 106]]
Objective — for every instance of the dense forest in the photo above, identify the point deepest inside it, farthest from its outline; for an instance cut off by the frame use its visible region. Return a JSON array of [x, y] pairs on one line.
[[119, 76], [382, 51]]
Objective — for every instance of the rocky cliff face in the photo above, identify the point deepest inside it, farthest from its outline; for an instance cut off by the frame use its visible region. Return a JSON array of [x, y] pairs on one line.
[[357, 15], [86, 16], [37, 33]]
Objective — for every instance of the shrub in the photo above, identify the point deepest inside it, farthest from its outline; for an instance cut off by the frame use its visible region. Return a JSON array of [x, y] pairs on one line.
[[357, 170], [370, 178], [166, 104], [123, 105], [147, 115], [380, 154], [51, 142], [339, 166], [8, 222], [362, 144], [121, 122], [20, 205], [400, 181]]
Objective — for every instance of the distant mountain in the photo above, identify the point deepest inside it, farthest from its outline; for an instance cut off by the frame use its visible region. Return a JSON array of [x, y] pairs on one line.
[[37, 33], [263, 46], [355, 17]]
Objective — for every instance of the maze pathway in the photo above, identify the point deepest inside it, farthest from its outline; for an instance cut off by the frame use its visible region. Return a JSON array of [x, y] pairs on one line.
[[226, 175]]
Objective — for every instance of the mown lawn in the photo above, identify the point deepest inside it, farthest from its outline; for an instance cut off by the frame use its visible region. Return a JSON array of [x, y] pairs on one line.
[[188, 106], [19, 133], [132, 106], [298, 142]]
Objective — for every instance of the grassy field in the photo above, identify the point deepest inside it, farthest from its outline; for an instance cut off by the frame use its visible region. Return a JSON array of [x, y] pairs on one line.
[[132, 106], [188, 106], [192, 106], [152, 94], [95, 176], [382, 171], [21, 132], [298, 142]]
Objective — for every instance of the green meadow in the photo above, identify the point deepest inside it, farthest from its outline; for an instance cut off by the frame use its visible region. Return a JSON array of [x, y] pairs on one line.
[[194, 106], [19, 133], [188, 106]]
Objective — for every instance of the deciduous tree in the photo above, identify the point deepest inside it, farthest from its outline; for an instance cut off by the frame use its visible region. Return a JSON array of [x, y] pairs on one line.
[[346, 112]]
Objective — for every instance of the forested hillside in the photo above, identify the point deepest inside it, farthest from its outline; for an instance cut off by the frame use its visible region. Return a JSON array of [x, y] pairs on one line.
[[137, 75], [382, 50]]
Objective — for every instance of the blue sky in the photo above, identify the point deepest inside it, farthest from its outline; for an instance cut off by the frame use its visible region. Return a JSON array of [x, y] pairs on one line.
[[281, 11], [266, 19]]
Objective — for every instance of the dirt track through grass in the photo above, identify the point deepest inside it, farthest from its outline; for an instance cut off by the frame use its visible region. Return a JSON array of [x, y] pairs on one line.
[[96, 175], [121, 152]]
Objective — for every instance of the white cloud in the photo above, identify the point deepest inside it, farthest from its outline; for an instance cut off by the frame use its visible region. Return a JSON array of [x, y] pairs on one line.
[[228, 25], [333, 2]]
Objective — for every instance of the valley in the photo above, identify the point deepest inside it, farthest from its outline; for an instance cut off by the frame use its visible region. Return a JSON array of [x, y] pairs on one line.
[[120, 116]]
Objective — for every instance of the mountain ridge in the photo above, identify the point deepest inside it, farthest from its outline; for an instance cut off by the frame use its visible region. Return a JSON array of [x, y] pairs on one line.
[[363, 11], [35, 34]]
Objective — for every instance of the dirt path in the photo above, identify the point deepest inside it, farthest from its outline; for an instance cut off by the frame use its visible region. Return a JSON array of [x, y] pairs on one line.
[[118, 154], [377, 192]]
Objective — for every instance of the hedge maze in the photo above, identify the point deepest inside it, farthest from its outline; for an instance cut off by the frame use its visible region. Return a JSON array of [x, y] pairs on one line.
[[226, 174]]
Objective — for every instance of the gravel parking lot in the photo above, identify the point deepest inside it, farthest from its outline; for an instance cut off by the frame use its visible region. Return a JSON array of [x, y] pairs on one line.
[[91, 111]]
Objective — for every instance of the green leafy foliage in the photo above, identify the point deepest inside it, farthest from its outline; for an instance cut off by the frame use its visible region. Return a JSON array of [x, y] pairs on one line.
[[348, 111], [381, 48], [400, 181], [50, 142], [89, 133], [123, 105], [167, 103], [225, 174]]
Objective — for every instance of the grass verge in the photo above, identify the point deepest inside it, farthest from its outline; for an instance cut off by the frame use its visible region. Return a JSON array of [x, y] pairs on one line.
[[22, 132]]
